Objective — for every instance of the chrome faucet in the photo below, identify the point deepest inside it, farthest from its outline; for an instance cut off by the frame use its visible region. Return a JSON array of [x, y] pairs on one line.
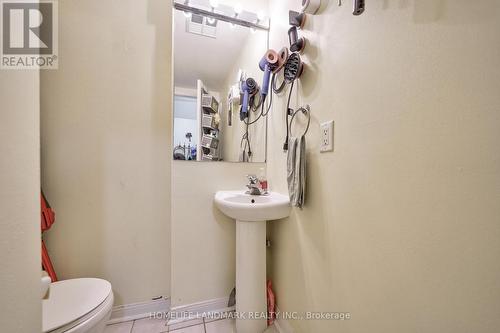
[[253, 185]]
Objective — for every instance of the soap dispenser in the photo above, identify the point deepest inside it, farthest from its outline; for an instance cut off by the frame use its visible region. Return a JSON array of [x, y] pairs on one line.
[[263, 181]]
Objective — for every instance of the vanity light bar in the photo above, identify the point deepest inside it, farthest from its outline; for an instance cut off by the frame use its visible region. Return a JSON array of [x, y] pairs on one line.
[[185, 7]]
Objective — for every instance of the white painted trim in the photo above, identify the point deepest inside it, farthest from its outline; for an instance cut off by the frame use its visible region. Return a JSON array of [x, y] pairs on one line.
[[281, 324], [128, 312], [198, 310], [181, 91], [213, 306]]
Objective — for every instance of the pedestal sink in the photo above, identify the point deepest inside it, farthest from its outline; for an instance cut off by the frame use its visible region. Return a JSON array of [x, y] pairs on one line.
[[251, 213]]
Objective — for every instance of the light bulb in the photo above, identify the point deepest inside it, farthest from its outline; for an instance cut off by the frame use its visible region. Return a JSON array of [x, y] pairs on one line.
[[214, 3], [238, 9], [187, 14], [210, 20]]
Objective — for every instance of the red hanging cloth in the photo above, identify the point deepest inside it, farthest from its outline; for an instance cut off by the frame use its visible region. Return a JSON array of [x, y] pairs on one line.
[[48, 217]]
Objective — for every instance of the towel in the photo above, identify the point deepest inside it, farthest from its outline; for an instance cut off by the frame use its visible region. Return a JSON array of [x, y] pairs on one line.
[[296, 170]]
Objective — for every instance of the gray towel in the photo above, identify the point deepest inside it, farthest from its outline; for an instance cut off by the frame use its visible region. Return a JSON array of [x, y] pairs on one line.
[[296, 170]]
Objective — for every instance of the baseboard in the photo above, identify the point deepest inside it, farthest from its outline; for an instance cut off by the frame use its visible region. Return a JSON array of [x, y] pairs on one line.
[[214, 306], [198, 310], [128, 312], [281, 324]]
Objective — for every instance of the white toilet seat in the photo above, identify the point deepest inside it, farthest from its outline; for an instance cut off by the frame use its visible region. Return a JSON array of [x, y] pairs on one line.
[[77, 305]]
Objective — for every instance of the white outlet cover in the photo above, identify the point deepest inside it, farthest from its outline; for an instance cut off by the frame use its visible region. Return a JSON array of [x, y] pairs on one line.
[[326, 136]]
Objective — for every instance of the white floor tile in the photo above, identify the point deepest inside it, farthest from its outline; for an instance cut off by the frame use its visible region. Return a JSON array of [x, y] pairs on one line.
[[219, 315], [191, 329], [186, 323], [148, 325], [221, 326], [119, 328]]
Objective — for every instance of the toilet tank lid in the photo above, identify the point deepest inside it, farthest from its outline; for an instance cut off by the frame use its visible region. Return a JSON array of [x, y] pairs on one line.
[[72, 299]]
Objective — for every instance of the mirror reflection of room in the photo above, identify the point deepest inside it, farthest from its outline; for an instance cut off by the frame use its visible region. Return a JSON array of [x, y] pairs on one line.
[[215, 118]]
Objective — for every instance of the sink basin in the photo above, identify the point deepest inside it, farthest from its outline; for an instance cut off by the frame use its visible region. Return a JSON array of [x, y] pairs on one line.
[[251, 213], [245, 207]]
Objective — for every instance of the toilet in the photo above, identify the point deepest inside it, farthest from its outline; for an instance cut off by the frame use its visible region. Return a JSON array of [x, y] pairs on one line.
[[77, 306]]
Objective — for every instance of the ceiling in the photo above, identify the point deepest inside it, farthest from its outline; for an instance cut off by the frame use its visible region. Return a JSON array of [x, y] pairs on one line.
[[209, 59]]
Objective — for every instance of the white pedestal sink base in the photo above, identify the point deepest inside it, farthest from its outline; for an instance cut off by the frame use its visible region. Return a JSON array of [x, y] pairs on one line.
[[251, 251], [251, 299]]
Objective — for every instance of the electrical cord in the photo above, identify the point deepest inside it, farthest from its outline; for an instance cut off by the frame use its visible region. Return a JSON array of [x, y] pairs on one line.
[[291, 71], [285, 144], [256, 107], [264, 111], [245, 136], [269, 105], [277, 90], [246, 139]]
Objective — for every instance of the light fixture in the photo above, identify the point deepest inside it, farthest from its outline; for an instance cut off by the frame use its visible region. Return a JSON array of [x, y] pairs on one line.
[[212, 12], [237, 10], [214, 4]]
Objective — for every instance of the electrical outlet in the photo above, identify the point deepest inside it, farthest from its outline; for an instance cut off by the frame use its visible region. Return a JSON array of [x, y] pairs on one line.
[[326, 136]]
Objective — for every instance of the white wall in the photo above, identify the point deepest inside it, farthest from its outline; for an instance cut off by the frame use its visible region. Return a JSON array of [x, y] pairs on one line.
[[183, 126], [203, 239], [20, 304], [255, 6], [401, 225], [185, 120], [106, 145]]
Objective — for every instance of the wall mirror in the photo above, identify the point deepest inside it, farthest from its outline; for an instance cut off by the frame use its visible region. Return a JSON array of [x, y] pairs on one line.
[[216, 49]]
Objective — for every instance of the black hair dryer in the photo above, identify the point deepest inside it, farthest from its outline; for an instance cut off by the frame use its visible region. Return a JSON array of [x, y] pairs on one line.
[[249, 88], [296, 44], [359, 7]]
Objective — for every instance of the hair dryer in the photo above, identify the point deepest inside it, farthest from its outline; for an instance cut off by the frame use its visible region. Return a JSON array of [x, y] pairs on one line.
[[359, 7], [249, 88], [267, 64], [296, 19], [293, 68], [297, 44]]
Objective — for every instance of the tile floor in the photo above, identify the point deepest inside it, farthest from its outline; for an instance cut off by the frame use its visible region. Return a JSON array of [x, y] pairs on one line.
[[192, 326]]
